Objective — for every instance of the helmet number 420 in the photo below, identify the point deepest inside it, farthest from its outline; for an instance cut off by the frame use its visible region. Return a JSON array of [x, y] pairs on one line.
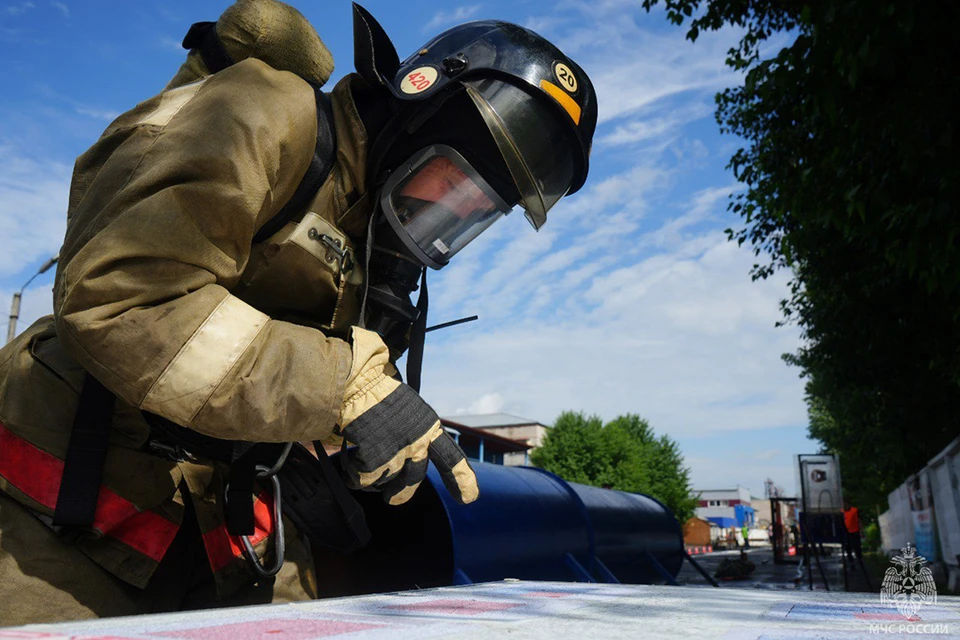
[[419, 80]]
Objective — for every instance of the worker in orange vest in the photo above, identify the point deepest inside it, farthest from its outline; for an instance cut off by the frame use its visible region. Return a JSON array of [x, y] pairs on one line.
[[851, 522]]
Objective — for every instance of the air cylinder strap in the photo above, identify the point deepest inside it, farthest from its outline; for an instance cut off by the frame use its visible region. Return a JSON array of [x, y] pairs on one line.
[[324, 156], [203, 37], [83, 467]]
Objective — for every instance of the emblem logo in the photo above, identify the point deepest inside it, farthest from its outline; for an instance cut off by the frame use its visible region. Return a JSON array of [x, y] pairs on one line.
[[908, 584]]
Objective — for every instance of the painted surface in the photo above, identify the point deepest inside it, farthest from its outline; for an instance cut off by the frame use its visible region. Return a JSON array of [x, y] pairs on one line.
[[537, 610]]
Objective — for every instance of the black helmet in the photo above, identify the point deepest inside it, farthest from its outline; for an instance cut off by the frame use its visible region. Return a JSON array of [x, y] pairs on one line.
[[526, 90]]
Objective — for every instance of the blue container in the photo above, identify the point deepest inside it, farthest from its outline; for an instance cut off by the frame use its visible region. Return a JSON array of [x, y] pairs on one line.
[[527, 524], [632, 534]]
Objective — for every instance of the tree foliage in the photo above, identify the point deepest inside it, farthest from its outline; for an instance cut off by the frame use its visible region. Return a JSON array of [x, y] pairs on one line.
[[625, 454], [851, 179]]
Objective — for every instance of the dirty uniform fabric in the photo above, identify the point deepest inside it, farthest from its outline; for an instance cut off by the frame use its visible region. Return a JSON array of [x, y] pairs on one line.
[[56, 581], [162, 296]]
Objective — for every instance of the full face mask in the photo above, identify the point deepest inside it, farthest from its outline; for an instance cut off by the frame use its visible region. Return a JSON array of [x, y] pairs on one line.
[[437, 202], [432, 205]]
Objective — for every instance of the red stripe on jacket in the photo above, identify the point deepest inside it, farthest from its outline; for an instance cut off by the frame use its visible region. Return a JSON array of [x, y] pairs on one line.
[[38, 474], [223, 548]]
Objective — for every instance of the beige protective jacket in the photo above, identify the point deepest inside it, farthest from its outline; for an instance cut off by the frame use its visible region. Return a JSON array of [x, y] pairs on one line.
[[162, 296]]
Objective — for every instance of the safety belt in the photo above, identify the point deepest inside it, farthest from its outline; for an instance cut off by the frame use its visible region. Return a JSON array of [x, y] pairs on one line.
[[86, 453]]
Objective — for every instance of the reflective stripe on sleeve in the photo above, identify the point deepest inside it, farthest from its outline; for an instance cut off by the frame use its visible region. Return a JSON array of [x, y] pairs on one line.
[[170, 103], [194, 373], [37, 474]]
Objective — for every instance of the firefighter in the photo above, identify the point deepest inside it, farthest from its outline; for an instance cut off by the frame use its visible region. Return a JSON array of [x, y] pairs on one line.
[[211, 299]]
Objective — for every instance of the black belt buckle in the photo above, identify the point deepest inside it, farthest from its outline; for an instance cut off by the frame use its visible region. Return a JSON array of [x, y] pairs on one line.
[[171, 452]]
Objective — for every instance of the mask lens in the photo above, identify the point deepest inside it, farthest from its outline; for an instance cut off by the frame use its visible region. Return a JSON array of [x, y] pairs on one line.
[[441, 204]]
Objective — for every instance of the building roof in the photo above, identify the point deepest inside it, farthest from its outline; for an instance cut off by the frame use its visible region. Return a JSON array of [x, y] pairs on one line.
[[738, 489], [490, 420], [502, 443]]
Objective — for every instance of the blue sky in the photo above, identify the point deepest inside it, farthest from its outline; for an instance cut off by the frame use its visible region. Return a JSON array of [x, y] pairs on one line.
[[629, 300]]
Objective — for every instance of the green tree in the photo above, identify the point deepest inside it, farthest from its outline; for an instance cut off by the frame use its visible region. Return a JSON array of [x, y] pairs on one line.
[[625, 454], [851, 183]]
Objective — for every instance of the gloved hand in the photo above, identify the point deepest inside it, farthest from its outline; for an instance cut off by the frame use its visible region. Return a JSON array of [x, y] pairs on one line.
[[395, 431]]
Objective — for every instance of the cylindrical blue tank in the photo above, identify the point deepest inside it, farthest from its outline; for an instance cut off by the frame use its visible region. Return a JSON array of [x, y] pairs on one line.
[[523, 525], [527, 524], [629, 529]]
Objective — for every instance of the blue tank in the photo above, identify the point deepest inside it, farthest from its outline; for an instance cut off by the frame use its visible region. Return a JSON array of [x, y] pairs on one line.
[[633, 533], [528, 524]]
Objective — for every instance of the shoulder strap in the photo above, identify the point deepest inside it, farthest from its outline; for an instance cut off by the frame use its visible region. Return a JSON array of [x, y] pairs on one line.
[[320, 167]]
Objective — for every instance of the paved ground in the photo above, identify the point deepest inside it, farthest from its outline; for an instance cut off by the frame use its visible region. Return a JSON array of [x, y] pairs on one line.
[[539, 610], [769, 575]]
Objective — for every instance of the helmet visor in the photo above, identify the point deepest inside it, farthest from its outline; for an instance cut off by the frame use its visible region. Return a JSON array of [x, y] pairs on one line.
[[533, 142], [437, 203]]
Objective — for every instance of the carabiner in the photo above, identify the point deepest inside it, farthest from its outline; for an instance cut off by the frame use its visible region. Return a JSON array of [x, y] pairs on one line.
[[264, 472], [279, 544]]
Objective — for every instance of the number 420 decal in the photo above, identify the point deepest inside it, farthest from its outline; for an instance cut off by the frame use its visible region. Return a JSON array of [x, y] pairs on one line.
[[419, 80]]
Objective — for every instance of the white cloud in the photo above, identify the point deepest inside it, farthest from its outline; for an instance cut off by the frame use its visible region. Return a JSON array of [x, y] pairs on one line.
[[106, 115], [592, 315], [633, 67], [64, 9], [685, 338], [487, 403], [33, 206], [657, 124], [19, 9], [543, 24], [704, 206], [444, 19], [654, 67]]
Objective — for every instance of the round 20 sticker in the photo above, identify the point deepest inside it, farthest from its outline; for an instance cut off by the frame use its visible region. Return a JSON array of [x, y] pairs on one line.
[[567, 80], [419, 80]]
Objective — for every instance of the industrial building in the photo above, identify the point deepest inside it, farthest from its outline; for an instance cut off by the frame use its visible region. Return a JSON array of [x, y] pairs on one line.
[[492, 429], [727, 508], [488, 445]]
